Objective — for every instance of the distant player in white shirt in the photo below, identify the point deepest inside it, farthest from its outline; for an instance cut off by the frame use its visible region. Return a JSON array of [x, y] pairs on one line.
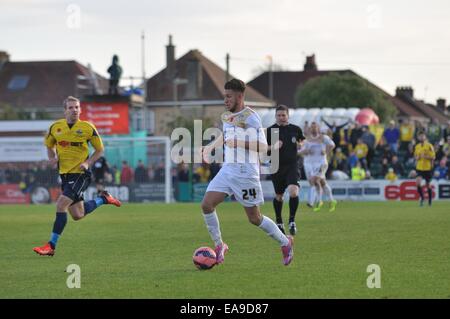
[[315, 150], [243, 137]]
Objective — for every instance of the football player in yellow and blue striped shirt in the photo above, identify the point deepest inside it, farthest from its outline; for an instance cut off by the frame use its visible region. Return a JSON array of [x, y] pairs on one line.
[[425, 155], [67, 146]]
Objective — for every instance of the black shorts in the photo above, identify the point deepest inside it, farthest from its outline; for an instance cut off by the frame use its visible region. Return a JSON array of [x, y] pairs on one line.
[[73, 185], [426, 175], [286, 175]]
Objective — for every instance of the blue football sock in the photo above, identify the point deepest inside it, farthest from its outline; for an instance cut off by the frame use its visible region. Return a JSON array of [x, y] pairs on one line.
[[91, 205], [58, 227]]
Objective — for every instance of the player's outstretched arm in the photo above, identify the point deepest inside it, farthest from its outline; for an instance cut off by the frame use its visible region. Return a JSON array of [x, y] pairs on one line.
[[254, 146], [217, 143], [304, 151]]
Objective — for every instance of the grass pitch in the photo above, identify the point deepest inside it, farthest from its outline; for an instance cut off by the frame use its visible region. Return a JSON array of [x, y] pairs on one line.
[[145, 251]]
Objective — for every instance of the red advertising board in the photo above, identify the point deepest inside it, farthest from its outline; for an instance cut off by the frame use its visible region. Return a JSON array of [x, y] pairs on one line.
[[11, 194], [108, 118]]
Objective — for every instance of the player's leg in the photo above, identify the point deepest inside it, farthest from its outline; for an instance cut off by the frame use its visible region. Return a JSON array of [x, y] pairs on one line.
[[419, 188], [87, 207], [293, 190], [429, 189], [279, 186], [270, 228], [62, 203], [312, 188], [292, 179], [329, 193], [278, 208], [311, 194], [216, 192], [81, 210], [319, 193], [209, 204]]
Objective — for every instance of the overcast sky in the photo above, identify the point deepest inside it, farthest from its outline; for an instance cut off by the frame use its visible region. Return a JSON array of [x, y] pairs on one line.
[[390, 43]]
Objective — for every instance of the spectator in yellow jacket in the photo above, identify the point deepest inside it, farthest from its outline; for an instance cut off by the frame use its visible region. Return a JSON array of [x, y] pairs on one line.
[[391, 176], [361, 150], [358, 173], [407, 130]]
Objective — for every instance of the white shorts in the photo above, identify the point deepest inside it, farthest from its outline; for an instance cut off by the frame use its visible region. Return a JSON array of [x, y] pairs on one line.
[[247, 190], [315, 169]]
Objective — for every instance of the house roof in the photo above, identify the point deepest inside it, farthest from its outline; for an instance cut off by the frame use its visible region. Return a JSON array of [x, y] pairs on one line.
[[45, 83], [285, 84], [160, 88], [428, 111]]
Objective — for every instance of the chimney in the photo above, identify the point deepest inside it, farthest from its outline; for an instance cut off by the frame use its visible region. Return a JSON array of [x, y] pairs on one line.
[[404, 91], [227, 69], [170, 57], [310, 64], [441, 104], [194, 77], [4, 57]]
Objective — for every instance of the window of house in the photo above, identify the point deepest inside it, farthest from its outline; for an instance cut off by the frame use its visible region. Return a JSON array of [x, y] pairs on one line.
[[18, 82]]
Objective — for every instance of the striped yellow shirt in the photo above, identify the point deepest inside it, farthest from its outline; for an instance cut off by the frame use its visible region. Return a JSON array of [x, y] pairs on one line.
[[424, 149], [72, 143]]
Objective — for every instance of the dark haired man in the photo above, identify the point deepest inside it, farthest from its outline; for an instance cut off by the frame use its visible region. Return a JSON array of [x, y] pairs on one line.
[[425, 155], [243, 137], [287, 176]]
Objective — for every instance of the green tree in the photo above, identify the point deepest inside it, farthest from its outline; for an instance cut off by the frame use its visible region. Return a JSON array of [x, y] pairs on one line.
[[188, 123], [8, 113], [346, 91]]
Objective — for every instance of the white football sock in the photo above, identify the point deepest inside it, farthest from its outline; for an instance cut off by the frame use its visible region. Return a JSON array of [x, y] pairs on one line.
[[319, 193], [328, 191], [212, 223], [311, 195], [273, 231]]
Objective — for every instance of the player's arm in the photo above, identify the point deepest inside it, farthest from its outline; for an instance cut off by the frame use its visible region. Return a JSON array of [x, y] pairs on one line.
[[51, 154], [97, 143], [93, 158], [300, 138], [50, 143], [276, 146], [217, 143], [329, 147], [271, 147], [417, 154], [255, 146], [430, 155], [326, 123], [343, 125], [304, 151]]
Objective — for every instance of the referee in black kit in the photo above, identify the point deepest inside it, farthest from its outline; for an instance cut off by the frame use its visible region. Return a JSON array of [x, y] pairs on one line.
[[288, 174]]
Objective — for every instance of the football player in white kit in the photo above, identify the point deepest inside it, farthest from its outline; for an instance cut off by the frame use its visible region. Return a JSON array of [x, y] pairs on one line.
[[239, 175], [315, 150]]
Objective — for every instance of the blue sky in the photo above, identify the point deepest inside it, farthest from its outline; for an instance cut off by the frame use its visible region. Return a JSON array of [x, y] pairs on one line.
[[391, 43]]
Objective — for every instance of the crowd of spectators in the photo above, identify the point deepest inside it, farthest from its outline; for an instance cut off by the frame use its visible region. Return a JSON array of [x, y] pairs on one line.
[[29, 175], [390, 157], [358, 155]]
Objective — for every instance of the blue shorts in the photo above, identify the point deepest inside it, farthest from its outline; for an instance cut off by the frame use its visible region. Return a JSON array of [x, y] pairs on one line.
[[73, 185]]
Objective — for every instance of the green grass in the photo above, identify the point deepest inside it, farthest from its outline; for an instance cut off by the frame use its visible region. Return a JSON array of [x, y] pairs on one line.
[[144, 251]]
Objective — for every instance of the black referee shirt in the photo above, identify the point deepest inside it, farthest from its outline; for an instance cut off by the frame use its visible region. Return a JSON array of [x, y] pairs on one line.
[[289, 135]]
